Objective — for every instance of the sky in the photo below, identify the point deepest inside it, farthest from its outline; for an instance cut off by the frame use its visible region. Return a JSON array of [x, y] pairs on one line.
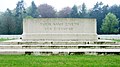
[[57, 4]]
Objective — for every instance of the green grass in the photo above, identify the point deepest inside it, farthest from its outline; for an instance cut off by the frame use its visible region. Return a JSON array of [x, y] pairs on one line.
[[5, 39], [59, 61], [116, 40]]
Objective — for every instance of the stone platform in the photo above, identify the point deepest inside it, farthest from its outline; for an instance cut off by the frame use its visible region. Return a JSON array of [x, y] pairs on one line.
[[59, 51], [58, 47], [21, 42]]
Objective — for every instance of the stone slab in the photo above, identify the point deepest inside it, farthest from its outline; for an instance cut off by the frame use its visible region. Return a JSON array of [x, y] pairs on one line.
[[59, 29], [59, 50]]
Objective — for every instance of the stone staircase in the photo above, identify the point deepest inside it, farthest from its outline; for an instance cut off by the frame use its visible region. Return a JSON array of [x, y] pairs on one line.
[[59, 49]]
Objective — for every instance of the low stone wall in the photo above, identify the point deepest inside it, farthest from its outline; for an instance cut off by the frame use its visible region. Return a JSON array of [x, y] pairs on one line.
[[102, 37], [60, 29]]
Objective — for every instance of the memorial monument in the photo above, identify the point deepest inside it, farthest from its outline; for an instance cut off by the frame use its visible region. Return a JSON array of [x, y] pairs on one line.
[[59, 29]]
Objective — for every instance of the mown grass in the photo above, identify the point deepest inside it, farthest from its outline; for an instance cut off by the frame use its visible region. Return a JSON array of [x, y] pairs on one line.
[[116, 40], [59, 61], [5, 39]]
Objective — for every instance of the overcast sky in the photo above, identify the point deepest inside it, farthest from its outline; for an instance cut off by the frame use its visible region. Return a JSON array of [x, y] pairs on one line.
[[57, 4]]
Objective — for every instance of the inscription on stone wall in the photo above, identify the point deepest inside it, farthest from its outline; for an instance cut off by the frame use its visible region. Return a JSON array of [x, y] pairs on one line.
[[58, 26], [60, 29]]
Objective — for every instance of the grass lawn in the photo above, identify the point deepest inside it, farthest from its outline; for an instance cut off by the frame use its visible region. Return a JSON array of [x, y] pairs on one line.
[[116, 40], [4, 39], [59, 61]]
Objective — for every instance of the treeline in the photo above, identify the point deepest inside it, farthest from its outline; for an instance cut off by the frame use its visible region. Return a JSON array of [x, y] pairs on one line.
[[11, 20]]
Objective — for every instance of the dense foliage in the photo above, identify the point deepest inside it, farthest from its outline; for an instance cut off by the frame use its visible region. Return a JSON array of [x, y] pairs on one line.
[[11, 20], [110, 24]]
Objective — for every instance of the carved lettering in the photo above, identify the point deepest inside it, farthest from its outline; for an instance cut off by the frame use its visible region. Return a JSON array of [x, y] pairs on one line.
[[58, 26], [45, 24]]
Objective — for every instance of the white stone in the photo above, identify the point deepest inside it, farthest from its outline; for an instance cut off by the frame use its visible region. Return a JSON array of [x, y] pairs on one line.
[[59, 29]]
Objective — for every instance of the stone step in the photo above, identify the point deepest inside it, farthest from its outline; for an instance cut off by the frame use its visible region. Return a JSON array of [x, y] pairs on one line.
[[59, 46], [56, 51], [59, 50], [23, 46], [20, 42]]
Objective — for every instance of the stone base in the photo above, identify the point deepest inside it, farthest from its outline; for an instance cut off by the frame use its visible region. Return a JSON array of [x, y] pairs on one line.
[[59, 37]]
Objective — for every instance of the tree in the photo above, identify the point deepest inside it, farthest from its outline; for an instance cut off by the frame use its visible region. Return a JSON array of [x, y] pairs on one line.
[[46, 11], [20, 14], [99, 12], [115, 9], [74, 12], [64, 13], [83, 11], [7, 23], [20, 9], [32, 10], [110, 24]]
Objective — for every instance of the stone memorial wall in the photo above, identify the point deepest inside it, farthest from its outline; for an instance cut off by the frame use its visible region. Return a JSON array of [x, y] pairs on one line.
[[59, 29]]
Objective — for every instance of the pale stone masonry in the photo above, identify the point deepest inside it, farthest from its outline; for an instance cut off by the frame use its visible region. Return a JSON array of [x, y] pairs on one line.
[[60, 29]]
